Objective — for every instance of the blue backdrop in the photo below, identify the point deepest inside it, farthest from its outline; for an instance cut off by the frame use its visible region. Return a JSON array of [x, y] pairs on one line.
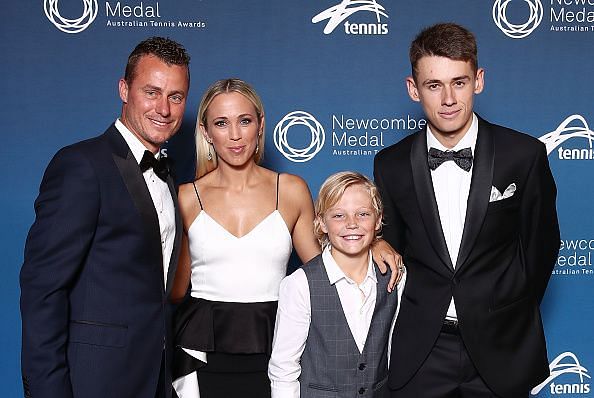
[[331, 75]]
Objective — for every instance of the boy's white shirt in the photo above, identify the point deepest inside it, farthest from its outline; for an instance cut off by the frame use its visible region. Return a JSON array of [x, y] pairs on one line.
[[293, 319]]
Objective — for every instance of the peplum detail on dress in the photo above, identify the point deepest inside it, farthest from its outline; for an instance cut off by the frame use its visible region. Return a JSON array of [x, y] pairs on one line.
[[231, 328]]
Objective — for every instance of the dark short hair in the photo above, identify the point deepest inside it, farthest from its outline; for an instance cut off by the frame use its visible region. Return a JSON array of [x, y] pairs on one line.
[[447, 40], [167, 50]]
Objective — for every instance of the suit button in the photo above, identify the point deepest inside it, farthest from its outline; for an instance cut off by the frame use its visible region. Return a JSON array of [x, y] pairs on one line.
[[361, 391], [361, 366]]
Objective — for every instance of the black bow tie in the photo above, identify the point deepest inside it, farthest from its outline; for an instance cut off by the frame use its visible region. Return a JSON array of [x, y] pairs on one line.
[[159, 166], [463, 158]]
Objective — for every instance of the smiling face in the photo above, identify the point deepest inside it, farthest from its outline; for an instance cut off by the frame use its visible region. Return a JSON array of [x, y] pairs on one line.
[[233, 128], [351, 224], [154, 101], [446, 88]]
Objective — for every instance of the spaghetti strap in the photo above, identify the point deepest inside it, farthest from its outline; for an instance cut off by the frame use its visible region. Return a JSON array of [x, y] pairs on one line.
[[198, 196], [277, 177]]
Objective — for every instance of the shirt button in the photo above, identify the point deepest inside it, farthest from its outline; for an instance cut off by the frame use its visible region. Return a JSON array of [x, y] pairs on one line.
[[361, 391], [361, 366]]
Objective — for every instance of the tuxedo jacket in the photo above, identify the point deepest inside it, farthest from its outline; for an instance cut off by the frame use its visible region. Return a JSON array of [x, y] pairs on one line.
[[507, 254], [95, 315]]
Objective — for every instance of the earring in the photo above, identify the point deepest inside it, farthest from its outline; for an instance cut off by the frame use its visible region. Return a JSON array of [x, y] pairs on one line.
[[209, 156], [258, 143]]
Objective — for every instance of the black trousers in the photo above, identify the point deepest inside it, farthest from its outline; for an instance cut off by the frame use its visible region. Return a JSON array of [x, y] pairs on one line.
[[448, 372], [234, 376]]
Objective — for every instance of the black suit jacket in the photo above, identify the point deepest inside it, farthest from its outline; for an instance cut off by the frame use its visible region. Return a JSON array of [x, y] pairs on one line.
[[507, 253], [94, 306]]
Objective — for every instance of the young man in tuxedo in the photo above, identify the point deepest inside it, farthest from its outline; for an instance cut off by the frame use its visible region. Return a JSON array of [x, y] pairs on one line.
[[101, 254], [471, 207]]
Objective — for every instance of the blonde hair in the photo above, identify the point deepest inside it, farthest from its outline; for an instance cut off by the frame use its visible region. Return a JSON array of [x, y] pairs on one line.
[[233, 85], [332, 190]]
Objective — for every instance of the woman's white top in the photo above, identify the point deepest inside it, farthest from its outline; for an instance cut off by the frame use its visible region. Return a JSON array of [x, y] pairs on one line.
[[231, 269]]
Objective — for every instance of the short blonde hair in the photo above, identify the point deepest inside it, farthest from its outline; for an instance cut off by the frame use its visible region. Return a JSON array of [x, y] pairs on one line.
[[232, 85], [332, 190]]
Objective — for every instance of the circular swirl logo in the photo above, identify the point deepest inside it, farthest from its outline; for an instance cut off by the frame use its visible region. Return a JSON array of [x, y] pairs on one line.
[[517, 31], [67, 25], [317, 136]]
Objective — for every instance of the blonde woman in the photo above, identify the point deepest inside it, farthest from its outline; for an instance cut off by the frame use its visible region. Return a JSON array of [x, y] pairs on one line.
[[241, 222]]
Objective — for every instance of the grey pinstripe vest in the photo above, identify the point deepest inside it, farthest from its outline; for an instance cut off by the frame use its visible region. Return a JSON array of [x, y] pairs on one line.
[[331, 364]]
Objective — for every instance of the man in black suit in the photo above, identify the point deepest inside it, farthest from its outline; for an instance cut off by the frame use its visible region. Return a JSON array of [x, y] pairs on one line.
[[101, 254], [471, 207]]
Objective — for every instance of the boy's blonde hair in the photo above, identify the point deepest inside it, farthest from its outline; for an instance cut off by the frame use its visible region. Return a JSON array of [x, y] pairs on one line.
[[332, 190]]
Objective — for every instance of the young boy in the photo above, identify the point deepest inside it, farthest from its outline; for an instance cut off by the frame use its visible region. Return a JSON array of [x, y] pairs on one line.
[[334, 313]]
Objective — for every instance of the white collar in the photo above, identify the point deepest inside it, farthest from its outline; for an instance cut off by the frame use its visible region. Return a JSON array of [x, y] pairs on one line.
[[136, 147], [468, 140], [335, 273]]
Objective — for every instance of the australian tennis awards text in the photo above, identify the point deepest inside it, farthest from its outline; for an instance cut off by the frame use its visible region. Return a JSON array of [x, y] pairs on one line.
[[143, 15], [370, 132]]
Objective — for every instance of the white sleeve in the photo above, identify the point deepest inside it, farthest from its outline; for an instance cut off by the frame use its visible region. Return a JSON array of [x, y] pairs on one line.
[[293, 318]]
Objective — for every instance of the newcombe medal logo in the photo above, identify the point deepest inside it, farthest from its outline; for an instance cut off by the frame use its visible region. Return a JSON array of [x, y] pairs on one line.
[[315, 141], [68, 25], [520, 30]]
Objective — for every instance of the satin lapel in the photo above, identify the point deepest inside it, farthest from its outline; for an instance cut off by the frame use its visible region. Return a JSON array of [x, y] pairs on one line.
[[426, 198], [139, 193], [178, 235], [480, 190]]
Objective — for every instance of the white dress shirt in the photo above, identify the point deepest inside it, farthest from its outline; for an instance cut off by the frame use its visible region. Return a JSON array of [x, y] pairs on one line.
[[160, 194], [451, 185], [293, 320]]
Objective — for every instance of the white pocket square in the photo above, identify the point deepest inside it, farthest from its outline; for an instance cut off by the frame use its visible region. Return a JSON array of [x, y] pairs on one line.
[[508, 193]]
